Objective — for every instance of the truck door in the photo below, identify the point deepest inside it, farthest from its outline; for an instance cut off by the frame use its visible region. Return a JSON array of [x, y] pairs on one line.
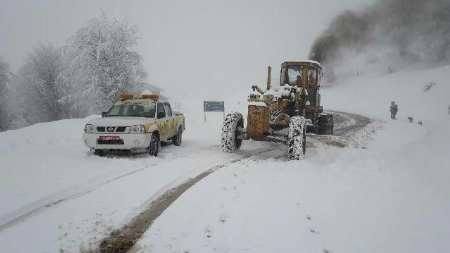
[[172, 131], [162, 121]]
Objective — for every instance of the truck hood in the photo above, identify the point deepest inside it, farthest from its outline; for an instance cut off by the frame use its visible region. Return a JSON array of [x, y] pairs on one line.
[[120, 121]]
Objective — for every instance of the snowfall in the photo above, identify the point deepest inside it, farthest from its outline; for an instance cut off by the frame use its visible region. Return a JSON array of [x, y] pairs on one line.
[[389, 192]]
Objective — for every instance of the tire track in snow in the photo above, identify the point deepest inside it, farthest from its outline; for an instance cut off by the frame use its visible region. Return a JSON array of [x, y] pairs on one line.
[[50, 201], [124, 238], [19, 215]]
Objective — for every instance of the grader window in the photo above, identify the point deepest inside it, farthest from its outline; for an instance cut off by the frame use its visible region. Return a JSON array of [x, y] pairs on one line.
[[312, 76], [292, 73]]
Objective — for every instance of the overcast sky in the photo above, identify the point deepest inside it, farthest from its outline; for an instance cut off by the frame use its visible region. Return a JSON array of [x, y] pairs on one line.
[[214, 43]]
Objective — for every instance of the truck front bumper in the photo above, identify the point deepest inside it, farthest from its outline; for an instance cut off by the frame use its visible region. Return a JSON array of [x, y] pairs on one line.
[[132, 142]]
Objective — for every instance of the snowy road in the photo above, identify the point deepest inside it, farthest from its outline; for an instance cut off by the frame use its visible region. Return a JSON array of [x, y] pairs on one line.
[[77, 198], [338, 200], [386, 193], [347, 125]]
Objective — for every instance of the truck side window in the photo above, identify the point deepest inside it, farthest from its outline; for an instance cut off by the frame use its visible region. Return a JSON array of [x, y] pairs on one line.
[[168, 109], [160, 111]]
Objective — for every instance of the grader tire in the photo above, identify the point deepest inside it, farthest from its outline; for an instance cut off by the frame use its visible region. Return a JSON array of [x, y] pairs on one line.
[[297, 138], [325, 124], [232, 123]]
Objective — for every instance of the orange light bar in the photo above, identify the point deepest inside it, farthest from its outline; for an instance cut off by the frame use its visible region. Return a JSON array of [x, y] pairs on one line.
[[150, 96], [126, 96], [129, 96]]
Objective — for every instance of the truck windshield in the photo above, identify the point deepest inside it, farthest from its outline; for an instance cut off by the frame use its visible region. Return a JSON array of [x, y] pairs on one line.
[[132, 110]]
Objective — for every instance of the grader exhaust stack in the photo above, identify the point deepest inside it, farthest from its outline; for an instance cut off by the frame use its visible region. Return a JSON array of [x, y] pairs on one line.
[[269, 77], [282, 114]]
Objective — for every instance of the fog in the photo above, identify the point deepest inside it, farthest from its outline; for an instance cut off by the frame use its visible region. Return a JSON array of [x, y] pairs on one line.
[[197, 48]]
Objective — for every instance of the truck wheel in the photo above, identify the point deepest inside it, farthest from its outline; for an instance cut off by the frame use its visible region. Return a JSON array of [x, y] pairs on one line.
[[155, 144], [325, 124], [178, 138], [297, 138], [232, 123]]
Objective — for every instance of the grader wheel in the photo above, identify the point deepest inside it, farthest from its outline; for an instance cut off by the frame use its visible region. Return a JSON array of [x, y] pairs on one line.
[[297, 138], [232, 124]]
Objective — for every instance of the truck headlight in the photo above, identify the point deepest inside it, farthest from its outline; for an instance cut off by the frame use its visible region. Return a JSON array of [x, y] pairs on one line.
[[138, 129], [89, 129]]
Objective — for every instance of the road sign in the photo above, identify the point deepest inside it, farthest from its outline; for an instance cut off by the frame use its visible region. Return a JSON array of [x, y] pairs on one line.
[[213, 106]]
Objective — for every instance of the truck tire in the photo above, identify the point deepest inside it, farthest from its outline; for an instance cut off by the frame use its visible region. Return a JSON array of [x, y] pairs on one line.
[[155, 144], [232, 123], [325, 124], [99, 152], [297, 138], [177, 139]]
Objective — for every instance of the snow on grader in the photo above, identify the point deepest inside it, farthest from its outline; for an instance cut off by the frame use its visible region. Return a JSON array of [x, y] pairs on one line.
[[282, 114]]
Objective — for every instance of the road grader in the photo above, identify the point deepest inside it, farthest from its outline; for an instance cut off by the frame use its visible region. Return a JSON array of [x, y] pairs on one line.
[[283, 113]]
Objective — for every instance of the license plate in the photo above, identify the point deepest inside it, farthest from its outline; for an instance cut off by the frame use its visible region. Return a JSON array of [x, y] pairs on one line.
[[108, 138]]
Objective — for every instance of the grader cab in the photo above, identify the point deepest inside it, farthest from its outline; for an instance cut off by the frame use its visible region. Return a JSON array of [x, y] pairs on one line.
[[283, 113]]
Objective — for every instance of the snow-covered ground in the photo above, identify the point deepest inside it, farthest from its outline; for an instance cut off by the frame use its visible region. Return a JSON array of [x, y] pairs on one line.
[[388, 195], [58, 195]]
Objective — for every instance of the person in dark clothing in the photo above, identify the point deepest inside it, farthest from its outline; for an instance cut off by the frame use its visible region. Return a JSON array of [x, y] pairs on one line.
[[394, 110]]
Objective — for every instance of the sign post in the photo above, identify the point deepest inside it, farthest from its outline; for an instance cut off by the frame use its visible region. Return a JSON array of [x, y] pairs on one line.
[[213, 106]]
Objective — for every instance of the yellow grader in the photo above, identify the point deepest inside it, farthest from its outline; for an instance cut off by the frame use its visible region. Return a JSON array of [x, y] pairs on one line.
[[284, 113]]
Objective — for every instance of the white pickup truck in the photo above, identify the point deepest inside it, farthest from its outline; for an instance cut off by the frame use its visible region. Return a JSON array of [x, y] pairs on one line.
[[136, 123]]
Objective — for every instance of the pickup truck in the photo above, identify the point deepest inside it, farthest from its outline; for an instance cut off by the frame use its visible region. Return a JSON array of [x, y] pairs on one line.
[[135, 123]]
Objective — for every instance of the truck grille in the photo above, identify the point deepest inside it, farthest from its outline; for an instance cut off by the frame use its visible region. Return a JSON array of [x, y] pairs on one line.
[[111, 129], [120, 129]]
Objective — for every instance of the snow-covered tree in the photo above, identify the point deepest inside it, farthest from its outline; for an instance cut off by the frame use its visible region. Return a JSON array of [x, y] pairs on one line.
[[81, 78], [99, 63], [37, 84], [4, 80]]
